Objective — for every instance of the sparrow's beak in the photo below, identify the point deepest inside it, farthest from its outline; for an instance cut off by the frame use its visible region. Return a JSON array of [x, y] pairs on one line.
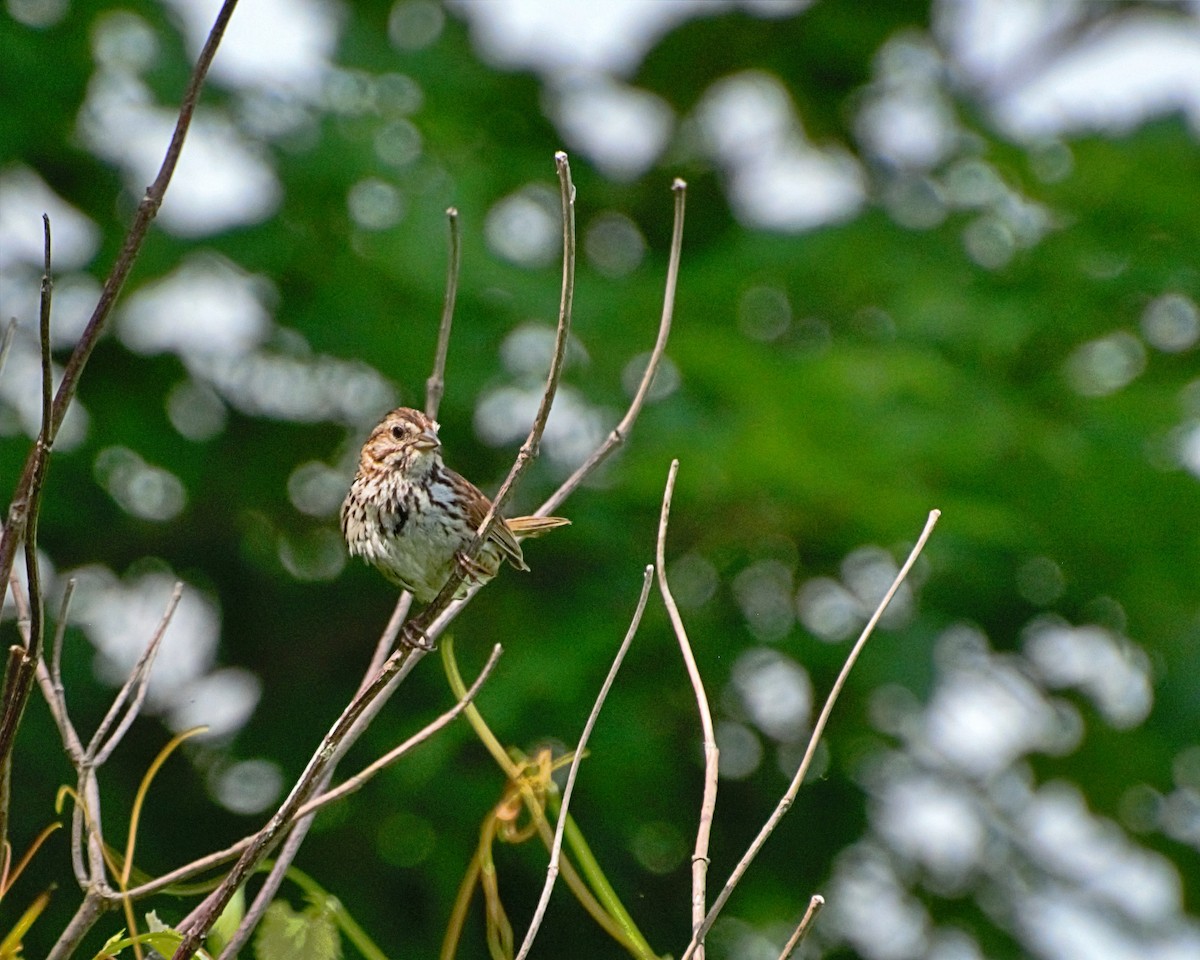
[[428, 440]]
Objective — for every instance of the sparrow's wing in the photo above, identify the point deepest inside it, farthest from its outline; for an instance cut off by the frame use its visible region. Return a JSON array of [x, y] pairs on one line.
[[477, 507]]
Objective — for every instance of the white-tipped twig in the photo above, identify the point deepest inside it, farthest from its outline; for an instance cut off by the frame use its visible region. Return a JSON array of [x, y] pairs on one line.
[[814, 907], [436, 384], [789, 797], [708, 803], [556, 846]]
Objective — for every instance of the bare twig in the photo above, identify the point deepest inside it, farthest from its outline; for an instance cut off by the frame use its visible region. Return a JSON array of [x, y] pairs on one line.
[[387, 639], [434, 387], [708, 801], [50, 680], [556, 847], [814, 907], [22, 505], [102, 745], [786, 801], [343, 732], [59, 634], [345, 728], [436, 384], [622, 429]]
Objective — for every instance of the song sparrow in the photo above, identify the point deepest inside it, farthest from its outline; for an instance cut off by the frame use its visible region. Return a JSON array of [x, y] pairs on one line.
[[412, 517]]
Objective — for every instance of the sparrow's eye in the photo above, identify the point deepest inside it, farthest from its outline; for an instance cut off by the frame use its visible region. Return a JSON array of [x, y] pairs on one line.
[[397, 433]]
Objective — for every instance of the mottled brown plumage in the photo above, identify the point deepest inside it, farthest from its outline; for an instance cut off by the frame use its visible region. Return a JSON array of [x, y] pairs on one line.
[[412, 517]]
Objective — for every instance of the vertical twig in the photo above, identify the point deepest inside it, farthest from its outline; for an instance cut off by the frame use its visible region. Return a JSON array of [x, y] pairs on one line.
[[50, 680], [708, 801], [556, 846], [133, 692], [786, 801], [436, 384], [21, 669]]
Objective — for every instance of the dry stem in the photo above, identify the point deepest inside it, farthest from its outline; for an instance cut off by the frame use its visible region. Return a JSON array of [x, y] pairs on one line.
[[436, 384], [708, 802]]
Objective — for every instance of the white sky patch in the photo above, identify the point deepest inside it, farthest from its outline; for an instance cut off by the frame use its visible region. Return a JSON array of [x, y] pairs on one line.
[[778, 179], [221, 180], [281, 43], [207, 305], [24, 197], [1143, 64], [612, 36], [1146, 66], [623, 129]]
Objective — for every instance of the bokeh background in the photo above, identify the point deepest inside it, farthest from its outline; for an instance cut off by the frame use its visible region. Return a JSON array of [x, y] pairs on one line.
[[937, 255]]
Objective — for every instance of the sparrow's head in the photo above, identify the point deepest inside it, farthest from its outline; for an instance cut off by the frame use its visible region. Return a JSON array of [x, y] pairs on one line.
[[405, 440]]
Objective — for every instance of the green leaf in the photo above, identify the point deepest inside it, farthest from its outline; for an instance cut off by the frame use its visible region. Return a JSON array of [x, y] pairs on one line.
[[285, 934]]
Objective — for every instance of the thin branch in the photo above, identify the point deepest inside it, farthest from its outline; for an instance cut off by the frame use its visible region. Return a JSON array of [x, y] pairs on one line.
[[275, 877], [44, 334], [346, 727], [50, 681], [89, 911], [556, 847], [436, 384], [434, 387], [819, 728], [57, 647], [387, 639], [212, 860], [622, 430], [814, 907], [708, 801], [99, 748]]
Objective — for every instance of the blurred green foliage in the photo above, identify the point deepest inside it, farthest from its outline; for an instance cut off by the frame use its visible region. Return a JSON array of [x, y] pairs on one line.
[[908, 366]]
